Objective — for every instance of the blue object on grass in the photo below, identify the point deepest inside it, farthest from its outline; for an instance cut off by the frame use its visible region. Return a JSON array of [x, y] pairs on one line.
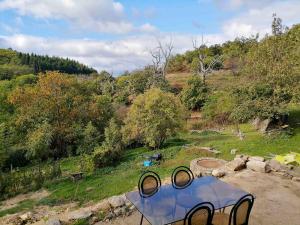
[[147, 163]]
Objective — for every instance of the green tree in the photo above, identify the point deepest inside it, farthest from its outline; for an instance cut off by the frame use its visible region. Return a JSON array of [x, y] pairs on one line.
[[91, 139], [195, 93], [272, 71], [112, 147], [38, 142], [153, 117]]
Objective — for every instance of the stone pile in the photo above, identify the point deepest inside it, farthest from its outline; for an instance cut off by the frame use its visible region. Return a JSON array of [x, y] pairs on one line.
[[258, 164], [105, 210]]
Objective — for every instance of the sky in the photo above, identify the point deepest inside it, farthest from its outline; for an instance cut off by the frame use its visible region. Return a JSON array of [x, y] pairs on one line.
[[118, 35]]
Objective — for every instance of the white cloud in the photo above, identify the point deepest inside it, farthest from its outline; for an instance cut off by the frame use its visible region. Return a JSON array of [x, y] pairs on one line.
[[237, 4], [258, 18], [127, 54], [132, 52], [106, 16]]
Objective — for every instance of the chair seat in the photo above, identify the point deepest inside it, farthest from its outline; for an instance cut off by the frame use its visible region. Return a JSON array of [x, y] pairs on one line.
[[221, 219]]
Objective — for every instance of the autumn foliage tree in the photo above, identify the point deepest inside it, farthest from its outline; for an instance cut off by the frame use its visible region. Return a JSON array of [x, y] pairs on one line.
[[62, 103]]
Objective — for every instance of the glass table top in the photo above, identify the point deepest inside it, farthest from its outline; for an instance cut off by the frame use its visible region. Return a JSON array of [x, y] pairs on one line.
[[169, 204]]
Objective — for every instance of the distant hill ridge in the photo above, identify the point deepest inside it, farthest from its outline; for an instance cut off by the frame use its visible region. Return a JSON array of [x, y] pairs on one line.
[[16, 63]]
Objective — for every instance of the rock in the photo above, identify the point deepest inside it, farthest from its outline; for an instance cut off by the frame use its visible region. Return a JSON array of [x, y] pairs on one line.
[[117, 201], [101, 206], [218, 173], [235, 165], [284, 175], [128, 203], [26, 216], [262, 125], [131, 208], [258, 166], [275, 165], [15, 220], [109, 216], [233, 151], [120, 211], [79, 214], [53, 221], [295, 172], [94, 220], [256, 158], [296, 179], [243, 157]]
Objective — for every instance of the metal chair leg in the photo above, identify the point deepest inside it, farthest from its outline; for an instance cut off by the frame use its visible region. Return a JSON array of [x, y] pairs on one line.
[[142, 219]]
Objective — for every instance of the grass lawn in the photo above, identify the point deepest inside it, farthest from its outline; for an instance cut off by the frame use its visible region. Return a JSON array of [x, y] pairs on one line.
[[124, 176]]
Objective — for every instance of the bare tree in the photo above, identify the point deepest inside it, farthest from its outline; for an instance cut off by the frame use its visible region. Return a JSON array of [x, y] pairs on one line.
[[204, 67], [161, 56], [156, 61]]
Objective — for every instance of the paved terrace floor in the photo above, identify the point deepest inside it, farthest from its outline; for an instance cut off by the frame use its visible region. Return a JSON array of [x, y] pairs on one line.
[[277, 200]]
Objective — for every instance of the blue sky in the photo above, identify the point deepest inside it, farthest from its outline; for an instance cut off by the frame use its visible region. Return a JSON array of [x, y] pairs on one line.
[[117, 35]]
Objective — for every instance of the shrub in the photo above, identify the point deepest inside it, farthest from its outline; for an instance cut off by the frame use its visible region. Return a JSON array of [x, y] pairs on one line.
[[112, 147], [27, 180], [91, 139], [153, 117], [217, 109], [195, 93]]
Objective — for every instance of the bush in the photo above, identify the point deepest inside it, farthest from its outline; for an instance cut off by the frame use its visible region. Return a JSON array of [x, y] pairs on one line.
[[102, 157], [27, 180], [91, 139], [195, 93], [112, 147], [152, 118], [218, 108]]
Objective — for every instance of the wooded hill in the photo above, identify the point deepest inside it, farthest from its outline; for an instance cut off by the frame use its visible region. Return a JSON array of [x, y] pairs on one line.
[[17, 63]]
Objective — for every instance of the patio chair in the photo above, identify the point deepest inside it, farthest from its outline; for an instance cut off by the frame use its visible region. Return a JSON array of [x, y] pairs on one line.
[[182, 176], [239, 214], [148, 185], [201, 214]]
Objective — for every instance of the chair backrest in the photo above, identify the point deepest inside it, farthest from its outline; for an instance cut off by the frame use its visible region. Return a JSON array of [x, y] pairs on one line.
[[240, 213], [149, 183], [201, 214], [182, 176]]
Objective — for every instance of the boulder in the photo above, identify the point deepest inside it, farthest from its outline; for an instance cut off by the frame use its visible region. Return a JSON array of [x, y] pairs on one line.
[[236, 164], [258, 166], [117, 201], [53, 221], [218, 173], [275, 165], [79, 214], [256, 158], [262, 125], [296, 179], [26, 216], [243, 157], [101, 206]]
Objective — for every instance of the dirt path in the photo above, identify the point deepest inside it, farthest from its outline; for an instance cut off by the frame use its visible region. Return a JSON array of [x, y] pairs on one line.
[[13, 202], [277, 200]]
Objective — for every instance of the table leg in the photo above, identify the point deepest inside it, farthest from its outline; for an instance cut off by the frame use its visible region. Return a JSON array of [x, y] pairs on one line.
[[142, 219]]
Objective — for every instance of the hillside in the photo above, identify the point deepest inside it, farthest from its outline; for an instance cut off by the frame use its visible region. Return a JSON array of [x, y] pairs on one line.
[[17, 63], [217, 80]]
